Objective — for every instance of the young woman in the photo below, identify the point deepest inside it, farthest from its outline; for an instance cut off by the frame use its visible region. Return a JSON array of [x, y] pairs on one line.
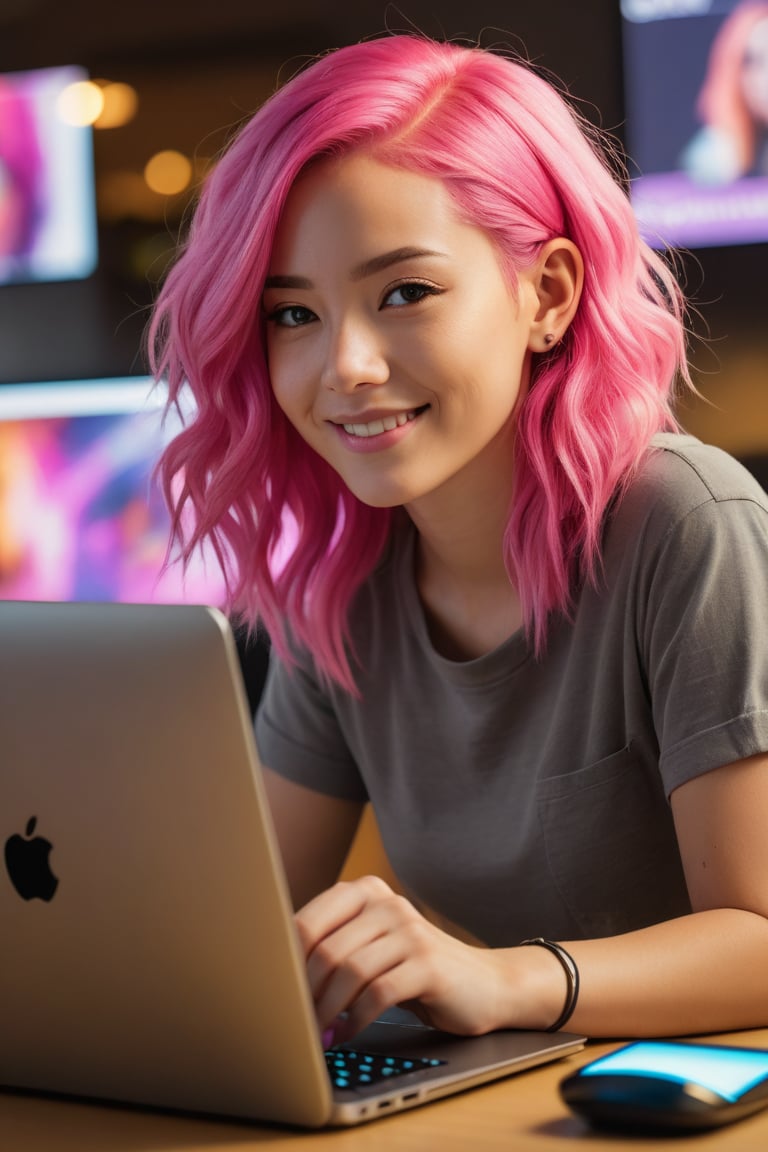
[[511, 604]]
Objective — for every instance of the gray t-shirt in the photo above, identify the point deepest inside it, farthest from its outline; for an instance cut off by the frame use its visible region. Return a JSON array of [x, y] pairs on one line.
[[521, 797]]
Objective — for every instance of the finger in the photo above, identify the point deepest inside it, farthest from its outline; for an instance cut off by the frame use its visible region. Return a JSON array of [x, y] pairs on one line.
[[404, 983], [374, 921], [327, 1037], [367, 976], [335, 907]]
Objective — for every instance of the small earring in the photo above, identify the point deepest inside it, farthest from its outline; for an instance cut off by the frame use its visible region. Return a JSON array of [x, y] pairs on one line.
[[549, 339]]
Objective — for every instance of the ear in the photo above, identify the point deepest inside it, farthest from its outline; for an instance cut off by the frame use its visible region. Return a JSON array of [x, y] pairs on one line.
[[558, 278]]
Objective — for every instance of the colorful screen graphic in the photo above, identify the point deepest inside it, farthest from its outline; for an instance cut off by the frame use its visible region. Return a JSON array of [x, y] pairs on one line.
[[80, 517], [696, 97], [47, 195]]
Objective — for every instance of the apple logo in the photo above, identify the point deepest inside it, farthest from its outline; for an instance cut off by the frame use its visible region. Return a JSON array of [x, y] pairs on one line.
[[28, 867]]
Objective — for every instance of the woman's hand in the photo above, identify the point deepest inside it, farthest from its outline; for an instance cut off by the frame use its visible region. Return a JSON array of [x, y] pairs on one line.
[[368, 948]]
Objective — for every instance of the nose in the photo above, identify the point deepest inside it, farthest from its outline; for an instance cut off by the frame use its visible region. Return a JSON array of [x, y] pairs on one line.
[[354, 357]]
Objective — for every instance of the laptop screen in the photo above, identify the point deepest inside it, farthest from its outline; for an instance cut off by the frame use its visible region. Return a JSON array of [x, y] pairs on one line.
[[80, 517]]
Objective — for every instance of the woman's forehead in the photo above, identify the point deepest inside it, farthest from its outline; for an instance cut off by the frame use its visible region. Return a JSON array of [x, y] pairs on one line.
[[357, 207]]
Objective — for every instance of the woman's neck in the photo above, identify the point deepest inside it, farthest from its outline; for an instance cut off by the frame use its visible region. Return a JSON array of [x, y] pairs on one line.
[[470, 603]]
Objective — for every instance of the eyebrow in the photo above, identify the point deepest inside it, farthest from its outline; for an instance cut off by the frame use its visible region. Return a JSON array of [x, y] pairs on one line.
[[362, 271]]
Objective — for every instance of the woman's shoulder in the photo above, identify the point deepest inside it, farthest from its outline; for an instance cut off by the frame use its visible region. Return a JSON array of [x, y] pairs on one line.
[[684, 488], [679, 473]]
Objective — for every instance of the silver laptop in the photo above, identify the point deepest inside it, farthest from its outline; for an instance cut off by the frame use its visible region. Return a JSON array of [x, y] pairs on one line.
[[147, 950]]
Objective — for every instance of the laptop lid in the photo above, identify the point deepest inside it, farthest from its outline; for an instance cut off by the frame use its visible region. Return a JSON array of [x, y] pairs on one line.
[[149, 953], [162, 968]]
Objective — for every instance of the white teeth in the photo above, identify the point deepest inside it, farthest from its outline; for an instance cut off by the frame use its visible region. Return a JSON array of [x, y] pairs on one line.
[[376, 427]]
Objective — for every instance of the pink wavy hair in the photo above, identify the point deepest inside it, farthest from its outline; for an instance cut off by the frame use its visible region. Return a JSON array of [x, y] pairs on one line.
[[721, 102], [519, 163]]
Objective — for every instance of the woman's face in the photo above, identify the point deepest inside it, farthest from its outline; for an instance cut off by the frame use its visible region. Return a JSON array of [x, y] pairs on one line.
[[395, 345], [754, 72]]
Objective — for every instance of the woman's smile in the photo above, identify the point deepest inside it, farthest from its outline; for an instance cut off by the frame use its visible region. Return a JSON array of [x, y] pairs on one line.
[[379, 434], [378, 425]]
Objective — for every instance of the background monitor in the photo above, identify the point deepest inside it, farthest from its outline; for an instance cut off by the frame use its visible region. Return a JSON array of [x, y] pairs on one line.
[[47, 194], [80, 516], [696, 105]]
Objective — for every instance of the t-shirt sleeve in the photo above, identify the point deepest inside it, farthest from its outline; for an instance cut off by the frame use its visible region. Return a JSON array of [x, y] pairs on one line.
[[705, 635], [298, 733]]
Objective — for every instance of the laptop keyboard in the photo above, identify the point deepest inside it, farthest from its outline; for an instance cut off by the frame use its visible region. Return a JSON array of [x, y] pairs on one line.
[[349, 1069]]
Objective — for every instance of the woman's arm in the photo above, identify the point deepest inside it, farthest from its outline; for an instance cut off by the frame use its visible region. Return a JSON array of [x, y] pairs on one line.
[[367, 948], [704, 972], [314, 832]]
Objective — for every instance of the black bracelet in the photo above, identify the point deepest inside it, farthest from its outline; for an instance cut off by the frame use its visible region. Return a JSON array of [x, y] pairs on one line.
[[571, 975]]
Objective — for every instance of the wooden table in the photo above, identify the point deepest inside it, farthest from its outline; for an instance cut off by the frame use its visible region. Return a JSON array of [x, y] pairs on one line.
[[523, 1113]]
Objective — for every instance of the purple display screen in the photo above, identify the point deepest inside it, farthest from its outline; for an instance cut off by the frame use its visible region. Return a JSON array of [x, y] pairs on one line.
[[696, 119], [47, 192]]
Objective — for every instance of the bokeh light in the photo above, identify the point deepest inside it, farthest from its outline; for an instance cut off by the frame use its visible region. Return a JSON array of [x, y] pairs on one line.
[[168, 172], [81, 103], [121, 102]]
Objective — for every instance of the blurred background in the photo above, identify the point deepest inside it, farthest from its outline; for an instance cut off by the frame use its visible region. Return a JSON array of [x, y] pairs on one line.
[[132, 104]]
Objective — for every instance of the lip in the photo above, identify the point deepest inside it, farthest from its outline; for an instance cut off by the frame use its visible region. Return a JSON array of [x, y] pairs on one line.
[[371, 415], [379, 441]]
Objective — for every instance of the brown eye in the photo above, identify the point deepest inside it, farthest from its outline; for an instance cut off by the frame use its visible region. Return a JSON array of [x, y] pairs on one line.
[[292, 316], [410, 293]]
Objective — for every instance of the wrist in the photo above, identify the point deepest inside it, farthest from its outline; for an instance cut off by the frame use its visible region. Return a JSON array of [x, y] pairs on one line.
[[534, 988], [569, 970]]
